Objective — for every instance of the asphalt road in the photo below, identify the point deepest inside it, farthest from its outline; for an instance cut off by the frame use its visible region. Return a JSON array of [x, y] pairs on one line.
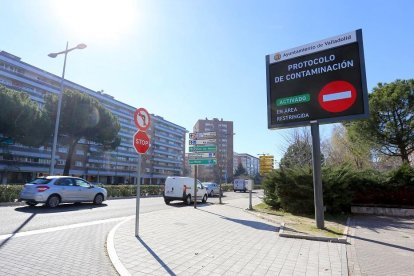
[[70, 239], [25, 218]]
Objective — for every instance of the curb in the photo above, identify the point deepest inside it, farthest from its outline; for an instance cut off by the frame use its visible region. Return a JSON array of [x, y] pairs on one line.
[[110, 248], [9, 204], [343, 239]]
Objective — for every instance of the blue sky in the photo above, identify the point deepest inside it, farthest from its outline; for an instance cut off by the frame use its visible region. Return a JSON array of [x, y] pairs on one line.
[[191, 59]]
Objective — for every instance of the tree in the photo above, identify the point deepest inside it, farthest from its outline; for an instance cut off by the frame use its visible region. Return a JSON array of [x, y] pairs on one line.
[[240, 170], [21, 118], [299, 152], [391, 124], [347, 146], [83, 116]]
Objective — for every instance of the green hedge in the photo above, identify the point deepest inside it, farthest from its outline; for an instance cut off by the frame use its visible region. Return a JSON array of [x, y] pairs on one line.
[[8, 193], [130, 190], [292, 188]]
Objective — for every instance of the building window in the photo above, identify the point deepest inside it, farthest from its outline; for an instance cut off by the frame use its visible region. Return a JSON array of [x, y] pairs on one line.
[[63, 149], [80, 152], [78, 164]]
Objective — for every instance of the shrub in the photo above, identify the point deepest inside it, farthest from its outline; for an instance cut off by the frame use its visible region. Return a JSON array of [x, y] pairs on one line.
[[292, 188], [403, 176], [130, 190], [9, 193]]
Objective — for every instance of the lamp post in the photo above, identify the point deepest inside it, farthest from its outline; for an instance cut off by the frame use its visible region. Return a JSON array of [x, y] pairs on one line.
[[55, 135]]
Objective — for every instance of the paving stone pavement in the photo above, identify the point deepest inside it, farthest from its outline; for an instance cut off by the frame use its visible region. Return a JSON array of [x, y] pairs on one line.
[[381, 246], [81, 251], [220, 240]]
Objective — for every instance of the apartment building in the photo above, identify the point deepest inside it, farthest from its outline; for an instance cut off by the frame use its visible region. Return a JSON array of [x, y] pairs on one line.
[[165, 157], [249, 162], [224, 131]]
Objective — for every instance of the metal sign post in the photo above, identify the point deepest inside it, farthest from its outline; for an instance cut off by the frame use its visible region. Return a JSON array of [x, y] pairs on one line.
[[317, 176], [195, 186], [138, 196], [141, 143]]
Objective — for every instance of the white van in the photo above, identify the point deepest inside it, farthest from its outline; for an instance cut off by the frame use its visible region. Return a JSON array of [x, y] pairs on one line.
[[239, 185], [182, 188]]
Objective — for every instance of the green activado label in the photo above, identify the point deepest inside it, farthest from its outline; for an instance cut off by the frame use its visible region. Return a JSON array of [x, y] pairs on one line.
[[304, 98]]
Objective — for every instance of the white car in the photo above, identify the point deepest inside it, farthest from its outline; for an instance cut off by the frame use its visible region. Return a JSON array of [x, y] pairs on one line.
[[54, 190], [212, 188], [182, 188]]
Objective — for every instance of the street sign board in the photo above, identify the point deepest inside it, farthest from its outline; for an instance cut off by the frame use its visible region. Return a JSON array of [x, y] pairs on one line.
[[323, 81], [142, 119], [202, 155], [202, 142], [202, 161], [203, 149], [141, 142], [202, 135]]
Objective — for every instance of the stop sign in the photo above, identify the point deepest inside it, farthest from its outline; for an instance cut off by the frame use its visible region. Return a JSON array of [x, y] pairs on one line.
[[141, 142]]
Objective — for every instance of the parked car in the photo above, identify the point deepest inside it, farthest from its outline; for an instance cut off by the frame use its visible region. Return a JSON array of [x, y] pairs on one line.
[[212, 188], [182, 188], [54, 190]]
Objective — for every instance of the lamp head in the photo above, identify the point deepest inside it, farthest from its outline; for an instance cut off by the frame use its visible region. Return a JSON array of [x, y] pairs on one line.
[[81, 46], [52, 55]]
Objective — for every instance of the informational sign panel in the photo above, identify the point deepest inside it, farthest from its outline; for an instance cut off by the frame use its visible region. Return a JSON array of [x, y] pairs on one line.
[[202, 148], [323, 81]]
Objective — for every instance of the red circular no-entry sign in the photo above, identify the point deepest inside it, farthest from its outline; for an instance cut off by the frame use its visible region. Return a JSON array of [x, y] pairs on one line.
[[142, 119], [337, 96], [141, 142]]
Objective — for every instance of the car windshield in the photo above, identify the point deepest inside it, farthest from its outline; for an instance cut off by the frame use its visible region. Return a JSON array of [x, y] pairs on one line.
[[40, 181]]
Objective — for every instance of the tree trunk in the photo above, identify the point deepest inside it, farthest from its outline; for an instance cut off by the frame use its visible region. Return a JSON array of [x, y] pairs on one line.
[[404, 155], [71, 150]]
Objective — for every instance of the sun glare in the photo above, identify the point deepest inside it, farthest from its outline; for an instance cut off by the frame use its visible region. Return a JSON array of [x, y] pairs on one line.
[[96, 19]]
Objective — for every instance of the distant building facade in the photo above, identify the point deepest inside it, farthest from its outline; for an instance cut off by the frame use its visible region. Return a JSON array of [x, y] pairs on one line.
[[224, 132], [165, 156], [249, 162]]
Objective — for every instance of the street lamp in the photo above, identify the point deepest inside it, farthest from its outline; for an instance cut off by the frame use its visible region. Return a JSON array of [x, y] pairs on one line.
[[55, 135]]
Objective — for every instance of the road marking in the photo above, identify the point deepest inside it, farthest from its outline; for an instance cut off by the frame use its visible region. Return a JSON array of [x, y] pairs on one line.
[[59, 228], [337, 96]]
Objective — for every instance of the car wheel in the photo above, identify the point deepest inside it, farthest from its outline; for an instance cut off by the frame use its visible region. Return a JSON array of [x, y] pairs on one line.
[[53, 201], [204, 199], [188, 200], [167, 201], [98, 199], [31, 203]]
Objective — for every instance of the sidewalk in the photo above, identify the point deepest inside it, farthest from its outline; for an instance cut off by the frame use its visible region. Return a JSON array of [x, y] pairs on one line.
[[381, 246], [219, 240]]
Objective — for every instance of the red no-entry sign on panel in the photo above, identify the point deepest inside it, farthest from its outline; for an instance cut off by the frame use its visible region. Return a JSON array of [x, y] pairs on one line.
[[337, 96]]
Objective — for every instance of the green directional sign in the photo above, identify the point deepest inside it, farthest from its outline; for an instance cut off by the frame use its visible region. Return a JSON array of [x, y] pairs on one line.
[[202, 161], [203, 149]]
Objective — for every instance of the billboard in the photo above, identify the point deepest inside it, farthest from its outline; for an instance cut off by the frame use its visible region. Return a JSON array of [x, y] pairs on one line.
[[323, 81]]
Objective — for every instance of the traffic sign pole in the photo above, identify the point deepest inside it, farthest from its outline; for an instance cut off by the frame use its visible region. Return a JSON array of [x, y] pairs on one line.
[[195, 185], [317, 176], [138, 197]]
